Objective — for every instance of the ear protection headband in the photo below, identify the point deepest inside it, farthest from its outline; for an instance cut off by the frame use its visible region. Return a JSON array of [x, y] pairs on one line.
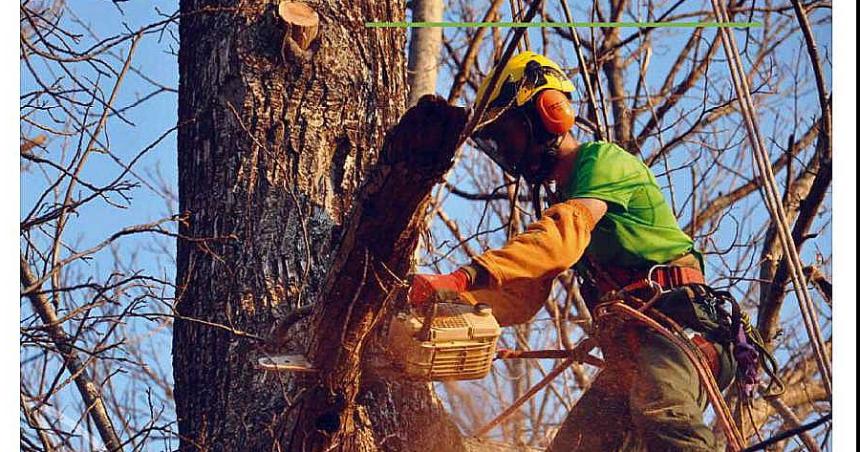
[[553, 109]]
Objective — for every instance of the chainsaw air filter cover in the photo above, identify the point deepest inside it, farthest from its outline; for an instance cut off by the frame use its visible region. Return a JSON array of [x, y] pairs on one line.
[[451, 341]]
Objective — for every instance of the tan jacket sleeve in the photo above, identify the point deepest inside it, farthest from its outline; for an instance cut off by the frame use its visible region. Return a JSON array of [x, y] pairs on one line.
[[521, 272]]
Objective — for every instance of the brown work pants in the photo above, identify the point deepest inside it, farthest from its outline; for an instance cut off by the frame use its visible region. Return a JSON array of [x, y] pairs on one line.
[[653, 402]]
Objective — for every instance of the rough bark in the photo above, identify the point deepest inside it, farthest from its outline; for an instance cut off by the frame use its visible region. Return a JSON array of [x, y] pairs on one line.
[[275, 143]]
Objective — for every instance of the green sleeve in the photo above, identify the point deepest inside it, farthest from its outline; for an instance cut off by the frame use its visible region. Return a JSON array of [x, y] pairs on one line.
[[605, 171]]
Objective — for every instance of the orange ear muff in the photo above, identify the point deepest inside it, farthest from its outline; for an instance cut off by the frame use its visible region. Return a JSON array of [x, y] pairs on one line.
[[554, 110]]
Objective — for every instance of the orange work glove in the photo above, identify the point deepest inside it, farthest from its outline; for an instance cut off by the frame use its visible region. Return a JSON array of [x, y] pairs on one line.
[[439, 287]]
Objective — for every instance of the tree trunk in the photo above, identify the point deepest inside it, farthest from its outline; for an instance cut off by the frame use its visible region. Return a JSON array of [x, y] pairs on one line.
[[289, 208], [424, 48]]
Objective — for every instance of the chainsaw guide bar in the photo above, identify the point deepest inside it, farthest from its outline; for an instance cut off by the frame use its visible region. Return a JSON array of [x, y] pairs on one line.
[[285, 363]]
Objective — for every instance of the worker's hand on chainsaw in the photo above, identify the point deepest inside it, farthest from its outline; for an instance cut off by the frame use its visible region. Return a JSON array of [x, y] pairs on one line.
[[427, 287]]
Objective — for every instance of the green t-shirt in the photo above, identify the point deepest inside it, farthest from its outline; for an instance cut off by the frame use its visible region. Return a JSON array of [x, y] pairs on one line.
[[639, 228]]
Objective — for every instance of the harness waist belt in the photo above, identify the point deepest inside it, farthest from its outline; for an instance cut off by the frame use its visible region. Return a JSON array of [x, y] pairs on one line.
[[674, 276], [668, 277]]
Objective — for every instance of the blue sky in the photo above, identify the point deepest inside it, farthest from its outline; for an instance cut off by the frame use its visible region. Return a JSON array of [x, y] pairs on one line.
[[159, 114]]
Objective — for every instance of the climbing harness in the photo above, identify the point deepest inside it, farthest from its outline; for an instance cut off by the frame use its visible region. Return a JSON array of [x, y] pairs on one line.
[[623, 307]]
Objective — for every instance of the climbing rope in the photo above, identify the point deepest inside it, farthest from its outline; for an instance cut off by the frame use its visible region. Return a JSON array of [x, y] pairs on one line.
[[771, 198]]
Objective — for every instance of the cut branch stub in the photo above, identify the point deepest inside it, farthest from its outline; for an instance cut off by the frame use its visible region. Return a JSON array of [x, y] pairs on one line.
[[302, 22]]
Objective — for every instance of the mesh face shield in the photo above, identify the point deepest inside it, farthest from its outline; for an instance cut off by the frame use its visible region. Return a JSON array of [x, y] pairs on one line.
[[518, 146], [505, 141]]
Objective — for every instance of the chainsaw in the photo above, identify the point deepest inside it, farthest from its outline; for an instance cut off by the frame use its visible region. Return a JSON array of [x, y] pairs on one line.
[[448, 341], [438, 341]]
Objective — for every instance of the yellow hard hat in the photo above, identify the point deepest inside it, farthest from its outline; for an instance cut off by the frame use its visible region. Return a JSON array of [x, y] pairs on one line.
[[525, 75]]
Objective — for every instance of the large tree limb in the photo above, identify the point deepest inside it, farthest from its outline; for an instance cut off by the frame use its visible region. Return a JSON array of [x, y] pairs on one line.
[[810, 196], [369, 267], [803, 199]]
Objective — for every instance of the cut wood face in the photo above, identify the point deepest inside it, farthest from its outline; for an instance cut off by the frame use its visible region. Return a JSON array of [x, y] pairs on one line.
[[302, 21], [298, 13]]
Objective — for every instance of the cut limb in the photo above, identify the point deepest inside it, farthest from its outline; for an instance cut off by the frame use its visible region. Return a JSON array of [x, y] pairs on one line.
[[303, 22]]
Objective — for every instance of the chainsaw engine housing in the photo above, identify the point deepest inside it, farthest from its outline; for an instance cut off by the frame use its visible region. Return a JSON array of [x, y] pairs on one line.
[[459, 343]]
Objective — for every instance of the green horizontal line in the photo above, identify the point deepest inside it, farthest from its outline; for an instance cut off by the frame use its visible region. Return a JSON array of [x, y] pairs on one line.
[[564, 24]]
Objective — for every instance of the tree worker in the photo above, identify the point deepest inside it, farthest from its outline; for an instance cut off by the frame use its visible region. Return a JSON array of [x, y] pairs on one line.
[[614, 223]]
